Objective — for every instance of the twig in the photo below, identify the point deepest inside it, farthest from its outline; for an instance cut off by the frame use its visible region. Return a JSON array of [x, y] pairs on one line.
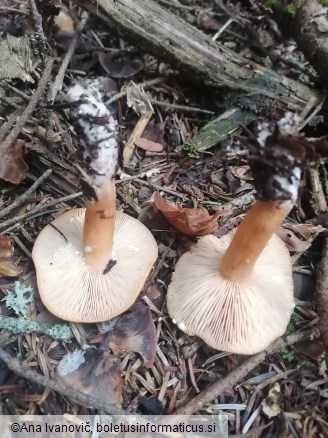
[[84, 399], [61, 332], [174, 106], [238, 373], [322, 293], [135, 134], [13, 134], [39, 208], [145, 84], [21, 199]]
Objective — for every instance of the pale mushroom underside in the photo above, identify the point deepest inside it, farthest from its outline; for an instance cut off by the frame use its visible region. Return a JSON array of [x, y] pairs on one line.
[[236, 317], [74, 291]]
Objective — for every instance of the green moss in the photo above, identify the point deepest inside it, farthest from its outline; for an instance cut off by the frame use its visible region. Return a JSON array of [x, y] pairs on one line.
[[292, 6]]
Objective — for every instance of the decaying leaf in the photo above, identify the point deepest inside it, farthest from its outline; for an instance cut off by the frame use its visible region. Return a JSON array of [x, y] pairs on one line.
[[119, 69], [92, 371], [292, 242], [192, 221], [296, 236], [15, 58], [6, 247], [7, 268], [312, 348], [148, 145], [271, 405], [135, 332], [12, 165], [64, 22], [152, 138]]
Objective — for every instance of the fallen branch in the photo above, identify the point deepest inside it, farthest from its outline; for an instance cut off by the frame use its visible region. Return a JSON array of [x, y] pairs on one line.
[[238, 373], [168, 36]]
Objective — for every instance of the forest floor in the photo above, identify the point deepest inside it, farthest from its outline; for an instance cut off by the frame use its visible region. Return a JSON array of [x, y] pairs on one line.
[[282, 392]]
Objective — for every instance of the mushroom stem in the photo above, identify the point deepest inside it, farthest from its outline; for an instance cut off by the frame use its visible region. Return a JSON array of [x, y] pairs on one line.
[[99, 225], [251, 237]]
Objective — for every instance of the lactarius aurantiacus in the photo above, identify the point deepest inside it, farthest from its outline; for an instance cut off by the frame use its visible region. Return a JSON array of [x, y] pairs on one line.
[[92, 263], [236, 292]]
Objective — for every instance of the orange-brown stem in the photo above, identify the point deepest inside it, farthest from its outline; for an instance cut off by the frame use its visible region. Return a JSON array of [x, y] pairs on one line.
[[251, 237], [99, 226]]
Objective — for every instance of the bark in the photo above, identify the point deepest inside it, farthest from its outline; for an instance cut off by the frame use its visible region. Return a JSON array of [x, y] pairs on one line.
[[172, 39], [310, 30]]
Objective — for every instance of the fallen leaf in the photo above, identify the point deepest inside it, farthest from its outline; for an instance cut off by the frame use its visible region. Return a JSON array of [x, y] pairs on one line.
[[93, 371], [271, 404], [312, 348], [119, 69], [9, 269], [292, 242], [135, 332], [6, 247], [304, 230], [192, 221], [148, 145], [12, 165], [206, 21], [64, 22]]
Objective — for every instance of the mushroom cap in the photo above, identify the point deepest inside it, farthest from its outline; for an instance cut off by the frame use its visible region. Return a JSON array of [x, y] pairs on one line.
[[74, 291], [238, 317]]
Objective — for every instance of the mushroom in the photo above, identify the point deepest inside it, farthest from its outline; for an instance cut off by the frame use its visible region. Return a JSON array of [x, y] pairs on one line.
[[236, 292], [92, 263]]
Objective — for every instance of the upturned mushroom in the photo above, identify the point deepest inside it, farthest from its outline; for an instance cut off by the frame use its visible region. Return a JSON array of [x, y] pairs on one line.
[[92, 263], [236, 292]]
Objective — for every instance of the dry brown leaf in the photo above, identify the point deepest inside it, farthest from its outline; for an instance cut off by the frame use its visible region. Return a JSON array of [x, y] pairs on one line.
[[9, 269], [135, 332], [119, 69], [148, 145], [312, 348], [192, 221], [92, 371], [6, 247], [292, 242], [64, 22], [12, 165], [304, 230]]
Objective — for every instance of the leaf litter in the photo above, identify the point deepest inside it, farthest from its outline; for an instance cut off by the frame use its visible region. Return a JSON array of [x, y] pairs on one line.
[[129, 368]]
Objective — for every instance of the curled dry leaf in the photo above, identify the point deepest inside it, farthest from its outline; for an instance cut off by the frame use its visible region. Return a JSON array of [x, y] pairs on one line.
[[312, 348], [148, 145], [135, 332], [296, 236], [6, 247], [12, 165], [119, 69], [152, 138], [92, 371], [7, 268], [292, 242], [192, 221]]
